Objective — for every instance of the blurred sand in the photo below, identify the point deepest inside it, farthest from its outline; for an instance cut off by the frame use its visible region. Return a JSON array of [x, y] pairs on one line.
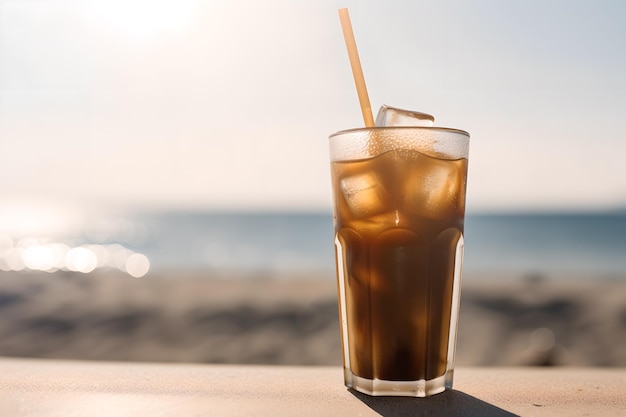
[[227, 317]]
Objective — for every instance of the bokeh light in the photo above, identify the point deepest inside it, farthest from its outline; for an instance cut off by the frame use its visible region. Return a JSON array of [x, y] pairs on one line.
[[81, 259], [44, 254], [137, 265]]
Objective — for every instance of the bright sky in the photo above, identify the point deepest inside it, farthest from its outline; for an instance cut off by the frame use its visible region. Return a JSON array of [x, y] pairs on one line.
[[228, 104]]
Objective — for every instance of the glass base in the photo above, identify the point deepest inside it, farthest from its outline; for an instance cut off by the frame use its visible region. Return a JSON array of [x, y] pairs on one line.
[[381, 387]]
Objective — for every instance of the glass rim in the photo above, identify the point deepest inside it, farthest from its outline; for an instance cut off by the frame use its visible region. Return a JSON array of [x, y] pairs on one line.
[[382, 128]]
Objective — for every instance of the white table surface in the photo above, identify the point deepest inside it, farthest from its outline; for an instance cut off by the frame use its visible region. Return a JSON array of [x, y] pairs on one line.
[[32, 387]]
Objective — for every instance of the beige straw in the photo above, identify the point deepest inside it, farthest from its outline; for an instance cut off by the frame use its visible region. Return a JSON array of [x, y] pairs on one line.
[[357, 71]]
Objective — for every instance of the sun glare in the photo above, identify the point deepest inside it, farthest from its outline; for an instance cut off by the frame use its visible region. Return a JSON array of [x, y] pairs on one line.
[[33, 218], [43, 254], [31, 235], [142, 19]]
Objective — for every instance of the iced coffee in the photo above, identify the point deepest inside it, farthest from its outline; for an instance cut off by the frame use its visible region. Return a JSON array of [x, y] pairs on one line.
[[399, 204]]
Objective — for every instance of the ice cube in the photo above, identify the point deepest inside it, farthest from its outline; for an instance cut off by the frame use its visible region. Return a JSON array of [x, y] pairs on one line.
[[391, 116], [372, 226], [364, 195], [433, 187]]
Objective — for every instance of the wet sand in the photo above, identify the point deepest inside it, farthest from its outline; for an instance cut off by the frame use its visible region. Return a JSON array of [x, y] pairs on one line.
[[230, 317]]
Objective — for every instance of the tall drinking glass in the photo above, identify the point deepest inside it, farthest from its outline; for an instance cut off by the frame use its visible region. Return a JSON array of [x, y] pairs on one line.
[[399, 209]]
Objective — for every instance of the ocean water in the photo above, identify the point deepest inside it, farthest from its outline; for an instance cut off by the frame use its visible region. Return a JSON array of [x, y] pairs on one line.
[[592, 243], [248, 241], [585, 243]]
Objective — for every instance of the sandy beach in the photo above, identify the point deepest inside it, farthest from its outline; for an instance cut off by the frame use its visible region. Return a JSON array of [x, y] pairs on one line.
[[231, 317]]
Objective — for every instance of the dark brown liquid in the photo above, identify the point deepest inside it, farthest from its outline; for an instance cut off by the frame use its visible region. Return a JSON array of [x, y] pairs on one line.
[[398, 221]]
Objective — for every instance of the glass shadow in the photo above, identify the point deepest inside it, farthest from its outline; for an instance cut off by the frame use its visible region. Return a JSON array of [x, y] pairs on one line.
[[450, 403]]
